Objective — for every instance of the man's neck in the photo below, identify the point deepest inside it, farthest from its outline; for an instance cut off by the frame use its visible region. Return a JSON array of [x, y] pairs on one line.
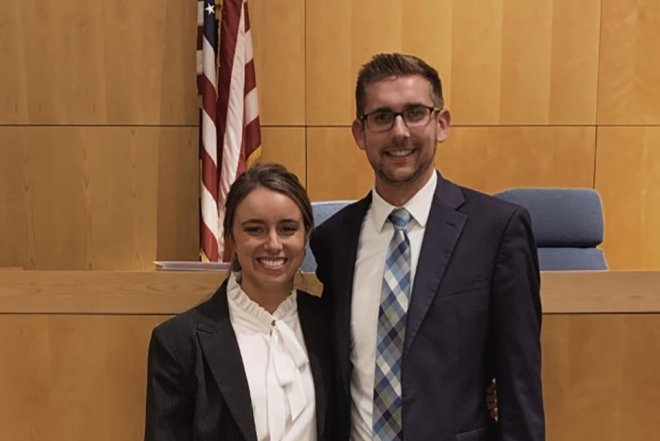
[[398, 195]]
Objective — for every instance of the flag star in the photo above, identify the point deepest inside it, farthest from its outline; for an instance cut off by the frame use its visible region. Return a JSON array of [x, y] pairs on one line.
[[210, 9]]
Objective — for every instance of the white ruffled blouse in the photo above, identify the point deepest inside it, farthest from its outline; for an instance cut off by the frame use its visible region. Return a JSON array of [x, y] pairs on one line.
[[276, 364]]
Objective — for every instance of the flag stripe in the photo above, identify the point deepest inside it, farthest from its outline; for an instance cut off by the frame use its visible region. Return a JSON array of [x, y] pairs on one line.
[[228, 35], [229, 127]]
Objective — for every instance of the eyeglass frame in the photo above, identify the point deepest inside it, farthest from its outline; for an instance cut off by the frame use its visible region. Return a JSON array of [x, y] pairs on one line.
[[431, 110]]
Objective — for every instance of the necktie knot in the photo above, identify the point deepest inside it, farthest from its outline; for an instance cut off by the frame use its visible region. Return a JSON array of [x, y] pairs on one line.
[[400, 218]]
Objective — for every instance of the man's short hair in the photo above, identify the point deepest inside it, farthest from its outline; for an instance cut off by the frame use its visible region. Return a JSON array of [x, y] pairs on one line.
[[383, 66]]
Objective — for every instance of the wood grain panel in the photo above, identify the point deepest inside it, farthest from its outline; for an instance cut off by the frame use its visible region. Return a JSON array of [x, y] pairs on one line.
[[73, 377], [495, 158], [278, 33], [525, 78], [285, 146], [486, 158], [330, 67], [627, 176], [574, 61], [503, 61], [171, 292], [76, 62], [89, 196], [336, 167], [178, 186], [597, 292], [13, 221], [628, 87], [597, 394], [83, 377], [640, 399], [474, 94]]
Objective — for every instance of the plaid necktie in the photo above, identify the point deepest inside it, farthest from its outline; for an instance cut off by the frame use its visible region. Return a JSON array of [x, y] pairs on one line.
[[394, 300]]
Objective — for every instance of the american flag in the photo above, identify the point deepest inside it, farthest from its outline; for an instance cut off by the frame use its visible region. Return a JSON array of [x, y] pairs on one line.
[[230, 136]]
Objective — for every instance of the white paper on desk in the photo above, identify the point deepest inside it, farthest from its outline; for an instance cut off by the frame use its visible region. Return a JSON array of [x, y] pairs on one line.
[[180, 265]]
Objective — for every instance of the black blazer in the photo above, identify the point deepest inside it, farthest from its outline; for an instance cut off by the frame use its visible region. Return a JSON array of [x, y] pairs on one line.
[[474, 314], [196, 386]]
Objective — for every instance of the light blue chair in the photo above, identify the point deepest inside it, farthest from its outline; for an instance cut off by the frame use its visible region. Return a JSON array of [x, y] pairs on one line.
[[567, 224], [322, 210]]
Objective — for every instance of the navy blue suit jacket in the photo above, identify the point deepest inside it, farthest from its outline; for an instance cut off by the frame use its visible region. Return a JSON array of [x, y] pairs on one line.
[[474, 314]]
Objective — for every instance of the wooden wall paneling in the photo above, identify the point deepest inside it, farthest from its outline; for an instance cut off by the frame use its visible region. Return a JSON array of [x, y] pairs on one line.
[[640, 399], [74, 376], [515, 62], [285, 145], [526, 61], [123, 203], [426, 31], [171, 292], [151, 70], [330, 62], [56, 206], [13, 222], [336, 167], [14, 84], [628, 87], [592, 393], [278, 33], [580, 379], [24, 377], [82, 375], [121, 189], [178, 186], [502, 62], [574, 61], [476, 65], [90, 195], [75, 62], [491, 159], [627, 176]]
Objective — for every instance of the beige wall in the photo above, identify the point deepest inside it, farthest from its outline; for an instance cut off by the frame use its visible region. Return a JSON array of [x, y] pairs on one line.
[[98, 137]]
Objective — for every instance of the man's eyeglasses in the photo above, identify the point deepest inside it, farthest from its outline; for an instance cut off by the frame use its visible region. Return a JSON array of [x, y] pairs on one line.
[[383, 120]]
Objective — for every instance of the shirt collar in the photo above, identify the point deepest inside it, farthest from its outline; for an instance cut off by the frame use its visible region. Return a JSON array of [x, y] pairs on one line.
[[418, 206], [255, 315]]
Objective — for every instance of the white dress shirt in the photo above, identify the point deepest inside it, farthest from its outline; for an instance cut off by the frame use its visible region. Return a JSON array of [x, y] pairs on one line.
[[277, 367], [375, 238]]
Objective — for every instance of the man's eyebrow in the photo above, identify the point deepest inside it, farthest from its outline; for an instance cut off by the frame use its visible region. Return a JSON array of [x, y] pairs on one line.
[[407, 106]]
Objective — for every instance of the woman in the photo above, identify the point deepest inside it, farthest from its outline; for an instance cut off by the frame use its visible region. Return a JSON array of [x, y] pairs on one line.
[[252, 363]]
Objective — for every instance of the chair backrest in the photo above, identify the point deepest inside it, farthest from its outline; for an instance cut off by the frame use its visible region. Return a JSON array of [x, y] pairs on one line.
[[322, 210], [567, 224]]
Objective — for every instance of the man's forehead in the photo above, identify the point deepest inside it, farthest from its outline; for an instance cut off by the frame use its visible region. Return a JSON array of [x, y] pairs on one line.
[[412, 89]]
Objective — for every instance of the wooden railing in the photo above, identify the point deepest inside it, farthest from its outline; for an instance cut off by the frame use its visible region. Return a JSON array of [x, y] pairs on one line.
[[73, 350]]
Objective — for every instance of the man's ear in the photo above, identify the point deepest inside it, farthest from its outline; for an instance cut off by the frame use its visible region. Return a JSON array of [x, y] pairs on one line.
[[443, 120], [358, 133]]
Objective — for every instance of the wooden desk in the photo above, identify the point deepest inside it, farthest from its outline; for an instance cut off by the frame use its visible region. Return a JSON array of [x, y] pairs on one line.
[[73, 351]]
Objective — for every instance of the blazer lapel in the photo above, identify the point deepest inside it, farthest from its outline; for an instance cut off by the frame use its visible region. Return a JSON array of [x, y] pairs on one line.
[[310, 327], [223, 356], [443, 229], [346, 258]]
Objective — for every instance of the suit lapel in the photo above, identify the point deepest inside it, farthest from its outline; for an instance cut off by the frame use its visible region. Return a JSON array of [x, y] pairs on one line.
[[443, 229], [349, 236], [314, 344], [223, 357]]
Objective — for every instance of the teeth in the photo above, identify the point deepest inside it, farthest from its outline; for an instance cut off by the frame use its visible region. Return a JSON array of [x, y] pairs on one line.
[[399, 152], [273, 263]]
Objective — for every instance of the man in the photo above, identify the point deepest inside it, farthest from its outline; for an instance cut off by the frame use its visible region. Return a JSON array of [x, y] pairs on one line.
[[432, 302]]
